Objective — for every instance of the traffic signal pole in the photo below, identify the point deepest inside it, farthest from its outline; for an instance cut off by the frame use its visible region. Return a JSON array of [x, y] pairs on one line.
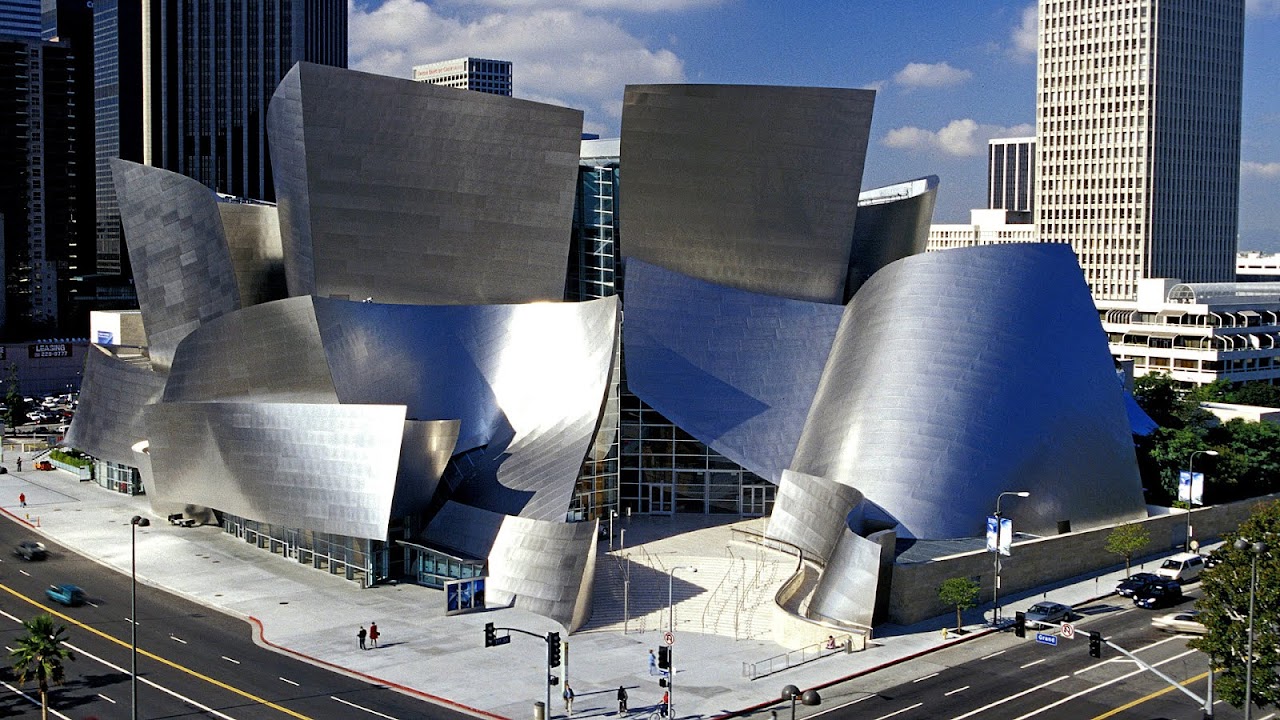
[[552, 640]]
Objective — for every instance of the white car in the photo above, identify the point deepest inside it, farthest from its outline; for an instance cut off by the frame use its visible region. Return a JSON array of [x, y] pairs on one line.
[[1187, 621]]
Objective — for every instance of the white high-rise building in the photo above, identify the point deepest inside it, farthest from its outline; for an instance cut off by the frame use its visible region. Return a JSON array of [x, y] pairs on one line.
[[479, 74], [1138, 138]]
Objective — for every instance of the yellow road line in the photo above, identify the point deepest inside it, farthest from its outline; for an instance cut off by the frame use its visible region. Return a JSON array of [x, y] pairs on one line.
[[1152, 696], [153, 656]]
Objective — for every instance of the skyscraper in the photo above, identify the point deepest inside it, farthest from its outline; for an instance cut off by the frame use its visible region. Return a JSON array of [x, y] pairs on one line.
[[479, 74], [1011, 173], [20, 17], [1138, 137]]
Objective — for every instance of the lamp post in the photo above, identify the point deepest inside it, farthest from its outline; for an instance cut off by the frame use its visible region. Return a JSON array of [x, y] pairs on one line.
[[612, 514], [671, 661], [995, 586], [1191, 470], [1255, 549], [808, 697], [137, 522]]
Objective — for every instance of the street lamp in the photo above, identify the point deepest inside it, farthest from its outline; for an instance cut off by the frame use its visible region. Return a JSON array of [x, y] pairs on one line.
[[137, 522], [1191, 470], [808, 697], [671, 663], [612, 514], [995, 587], [1255, 549]]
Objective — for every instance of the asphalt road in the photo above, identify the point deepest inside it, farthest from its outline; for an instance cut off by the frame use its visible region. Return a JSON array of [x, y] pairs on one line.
[[192, 661], [1002, 677]]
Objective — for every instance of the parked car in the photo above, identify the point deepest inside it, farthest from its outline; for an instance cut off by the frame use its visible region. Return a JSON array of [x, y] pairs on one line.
[[1183, 567], [65, 594], [30, 550], [1213, 559], [1047, 613], [1183, 622], [1135, 583], [1159, 594]]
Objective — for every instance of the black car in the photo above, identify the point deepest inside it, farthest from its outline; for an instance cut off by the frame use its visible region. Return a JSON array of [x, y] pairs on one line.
[[30, 550], [1135, 583], [1159, 594]]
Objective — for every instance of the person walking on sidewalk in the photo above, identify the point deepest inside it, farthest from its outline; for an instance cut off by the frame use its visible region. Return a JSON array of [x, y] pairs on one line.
[[362, 634], [373, 634], [653, 663], [622, 700], [19, 463], [568, 698], [22, 498]]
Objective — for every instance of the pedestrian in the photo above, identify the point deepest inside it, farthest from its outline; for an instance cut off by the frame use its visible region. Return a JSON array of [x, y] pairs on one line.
[[22, 498], [568, 698], [666, 703], [622, 700], [653, 663], [362, 635], [831, 642], [373, 634], [19, 463]]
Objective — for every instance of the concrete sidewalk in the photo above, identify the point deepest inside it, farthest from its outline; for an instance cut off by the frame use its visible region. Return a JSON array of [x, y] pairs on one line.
[[311, 614]]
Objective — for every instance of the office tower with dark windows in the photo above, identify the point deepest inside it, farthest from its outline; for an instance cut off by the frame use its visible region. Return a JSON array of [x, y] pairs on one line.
[[117, 115], [1138, 138], [479, 74], [1011, 174], [20, 17]]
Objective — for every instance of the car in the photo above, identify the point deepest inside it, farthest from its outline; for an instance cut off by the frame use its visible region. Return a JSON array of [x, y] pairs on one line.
[[1134, 583], [30, 550], [1159, 594], [1183, 567], [1183, 622], [1047, 613], [65, 594], [1213, 559]]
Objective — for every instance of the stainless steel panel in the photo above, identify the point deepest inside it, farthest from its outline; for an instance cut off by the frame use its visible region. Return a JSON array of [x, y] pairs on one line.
[[893, 223], [854, 583], [326, 468], [811, 513], [958, 375], [750, 187], [182, 269], [424, 454], [735, 369], [407, 192], [113, 392], [253, 239]]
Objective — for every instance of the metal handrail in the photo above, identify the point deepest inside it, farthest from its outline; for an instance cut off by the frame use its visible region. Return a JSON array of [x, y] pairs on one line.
[[794, 658]]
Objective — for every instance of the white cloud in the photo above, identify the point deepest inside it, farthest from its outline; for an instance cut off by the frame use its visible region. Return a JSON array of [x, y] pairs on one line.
[[962, 138], [1262, 7], [1026, 34], [931, 75], [1265, 170], [631, 6], [560, 55]]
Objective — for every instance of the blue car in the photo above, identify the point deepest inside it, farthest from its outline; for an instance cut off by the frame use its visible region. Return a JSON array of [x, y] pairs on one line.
[[65, 594]]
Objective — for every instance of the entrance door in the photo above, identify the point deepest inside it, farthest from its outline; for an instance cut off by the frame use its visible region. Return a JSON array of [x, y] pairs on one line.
[[660, 500], [757, 500]]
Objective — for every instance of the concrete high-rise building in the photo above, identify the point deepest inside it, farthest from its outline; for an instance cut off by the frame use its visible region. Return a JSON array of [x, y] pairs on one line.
[[1011, 174], [479, 74], [1138, 137]]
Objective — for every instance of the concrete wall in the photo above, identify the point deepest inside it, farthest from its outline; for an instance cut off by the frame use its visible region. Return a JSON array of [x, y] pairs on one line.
[[1044, 561]]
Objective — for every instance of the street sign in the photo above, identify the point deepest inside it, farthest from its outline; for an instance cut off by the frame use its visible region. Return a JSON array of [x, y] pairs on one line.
[[1047, 638], [1068, 630], [669, 638], [502, 640]]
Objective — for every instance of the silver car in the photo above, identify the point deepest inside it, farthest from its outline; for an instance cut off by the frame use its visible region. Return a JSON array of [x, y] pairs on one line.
[[1183, 622], [1048, 613]]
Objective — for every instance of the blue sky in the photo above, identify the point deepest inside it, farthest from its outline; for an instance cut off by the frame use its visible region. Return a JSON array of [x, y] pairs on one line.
[[950, 73]]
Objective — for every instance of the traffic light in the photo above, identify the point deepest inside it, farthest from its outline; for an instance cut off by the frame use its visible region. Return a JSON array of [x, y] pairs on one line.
[[490, 637], [1095, 644], [553, 649], [662, 682], [1020, 624], [664, 657]]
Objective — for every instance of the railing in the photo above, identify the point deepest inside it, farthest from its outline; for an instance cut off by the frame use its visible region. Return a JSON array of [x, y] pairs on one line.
[[794, 658], [84, 473]]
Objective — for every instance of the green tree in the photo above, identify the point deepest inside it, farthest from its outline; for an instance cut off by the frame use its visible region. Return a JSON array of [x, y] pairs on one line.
[[15, 405], [1159, 395], [1256, 393], [1224, 610], [961, 592], [1166, 452], [1250, 462], [39, 655], [1127, 539]]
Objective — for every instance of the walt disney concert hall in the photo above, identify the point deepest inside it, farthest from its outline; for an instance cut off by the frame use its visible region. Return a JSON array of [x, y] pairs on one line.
[[383, 369]]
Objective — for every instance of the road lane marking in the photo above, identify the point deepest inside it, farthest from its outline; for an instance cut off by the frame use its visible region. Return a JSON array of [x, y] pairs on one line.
[[1099, 686], [224, 657], [926, 677], [1033, 662], [32, 700], [1015, 696], [1125, 659], [145, 653], [285, 679], [24, 572], [86, 602], [899, 712], [361, 707], [150, 683], [953, 692], [177, 639], [104, 697], [998, 652], [1152, 696], [840, 707]]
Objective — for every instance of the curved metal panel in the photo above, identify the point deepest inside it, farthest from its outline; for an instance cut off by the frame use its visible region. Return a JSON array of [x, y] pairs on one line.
[[326, 468], [427, 194], [893, 223], [747, 392], [750, 187], [253, 239], [958, 375], [527, 382], [424, 454], [811, 513], [264, 353], [543, 567], [109, 419], [181, 265], [853, 578]]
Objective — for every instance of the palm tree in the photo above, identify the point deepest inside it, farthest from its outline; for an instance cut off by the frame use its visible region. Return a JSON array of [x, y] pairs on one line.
[[39, 654]]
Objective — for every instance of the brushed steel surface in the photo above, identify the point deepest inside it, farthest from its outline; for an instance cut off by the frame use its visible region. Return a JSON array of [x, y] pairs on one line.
[[746, 186], [811, 513], [893, 223], [408, 192], [852, 586], [113, 392], [424, 454], [253, 239]]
